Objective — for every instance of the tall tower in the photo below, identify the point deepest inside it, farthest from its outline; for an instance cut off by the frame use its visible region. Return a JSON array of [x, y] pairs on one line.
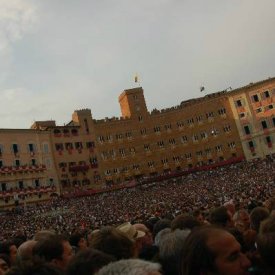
[[132, 103]]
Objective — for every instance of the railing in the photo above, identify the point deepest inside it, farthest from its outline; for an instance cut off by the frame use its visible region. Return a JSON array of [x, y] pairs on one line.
[[79, 168], [27, 191], [20, 169]]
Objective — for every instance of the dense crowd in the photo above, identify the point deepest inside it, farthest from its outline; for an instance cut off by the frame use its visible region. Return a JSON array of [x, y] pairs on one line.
[[154, 227]]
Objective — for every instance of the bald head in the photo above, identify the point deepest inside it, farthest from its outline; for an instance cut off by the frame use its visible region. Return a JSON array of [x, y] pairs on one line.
[[24, 251]]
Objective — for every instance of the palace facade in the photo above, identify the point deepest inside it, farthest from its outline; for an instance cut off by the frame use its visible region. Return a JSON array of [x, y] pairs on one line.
[[89, 154]]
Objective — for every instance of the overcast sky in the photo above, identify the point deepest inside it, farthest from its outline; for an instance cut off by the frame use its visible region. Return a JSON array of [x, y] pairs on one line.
[[57, 56]]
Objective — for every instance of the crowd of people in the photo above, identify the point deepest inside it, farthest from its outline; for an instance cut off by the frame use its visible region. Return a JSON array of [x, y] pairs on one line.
[[218, 221]]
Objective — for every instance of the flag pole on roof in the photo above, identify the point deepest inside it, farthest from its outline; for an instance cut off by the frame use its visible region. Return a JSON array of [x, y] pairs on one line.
[[137, 79]]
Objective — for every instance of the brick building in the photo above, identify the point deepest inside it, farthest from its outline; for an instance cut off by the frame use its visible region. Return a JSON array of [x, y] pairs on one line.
[[91, 154]]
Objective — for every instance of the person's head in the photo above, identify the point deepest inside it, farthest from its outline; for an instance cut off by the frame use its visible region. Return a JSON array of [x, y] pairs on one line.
[[198, 215], [34, 267], [4, 263], [184, 222], [170, 247], [88, 261], [221, 217], [160, 225], [211, 250], [43, 234], [230, 206], [241, 220], [147, 239], [10, 250], [24, 251], [130, 267], [55, 250], [78, 241], [257, 215], [112, 241]]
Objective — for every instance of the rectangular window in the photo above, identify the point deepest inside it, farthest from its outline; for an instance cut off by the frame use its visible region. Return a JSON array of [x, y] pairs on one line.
[[246, 130], [31, 147], [146, 147], [160, 144], [172, 141], [239, 103], [222, 111], [264, 124], [184, 139], [168, 127], [255, 98], [156, 129], [143, 131], [59, 146], [266, 94], [251, 144]]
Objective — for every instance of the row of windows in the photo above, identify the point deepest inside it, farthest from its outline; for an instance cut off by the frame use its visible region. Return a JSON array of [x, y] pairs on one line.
[[80, 163], [165, 161], [264, 125], [16, 148], [122, 152], [17, 162], [76, 145], [254, 98], [157, 129]]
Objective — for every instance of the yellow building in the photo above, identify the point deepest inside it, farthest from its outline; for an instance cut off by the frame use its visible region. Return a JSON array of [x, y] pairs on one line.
[[88, 154], [253, 110], [27, 170]]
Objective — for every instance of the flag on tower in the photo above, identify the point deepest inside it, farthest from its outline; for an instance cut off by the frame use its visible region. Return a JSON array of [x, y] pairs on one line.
[[136, 78]]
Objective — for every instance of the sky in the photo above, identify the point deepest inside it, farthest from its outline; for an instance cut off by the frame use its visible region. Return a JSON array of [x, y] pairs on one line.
[[57, 56]]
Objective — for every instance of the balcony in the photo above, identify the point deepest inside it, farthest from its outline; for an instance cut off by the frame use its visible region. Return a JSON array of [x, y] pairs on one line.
[[21, 169], [27, 191]]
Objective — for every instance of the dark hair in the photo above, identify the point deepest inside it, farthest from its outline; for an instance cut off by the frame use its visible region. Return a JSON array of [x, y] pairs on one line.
[[196, 256], [219, 216], [49, 248], [257, 215], [75, 238], [88, 262], [160, 225], [184, 221], [34, 267], [112, 241], [266, 248]]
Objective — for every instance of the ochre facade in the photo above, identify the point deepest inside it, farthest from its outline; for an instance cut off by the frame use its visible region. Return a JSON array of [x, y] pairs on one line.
[[89, 154]]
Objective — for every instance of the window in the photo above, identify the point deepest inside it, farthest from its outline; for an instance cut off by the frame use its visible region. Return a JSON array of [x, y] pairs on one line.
[[119, 136], [168, 127], [242, 115], [140, 118], [208, 151], [264, 124], [59, 146], [270, 107], [164, 161], [184, 139], [1, 163], [109, 138], [101, 139], [251, 144], [78, 145], [266, 94], [143, 131], [214, 132], [160, 144], [222, 111], [15, 148], [259, 110], [176, 158], [146, 147], [199, 118], [172, 141], [273, 120], [199, 153], [195, 138], [122, 152], [156, 129], [218, 148], [226, 128], [132, 150], [180, 124], [190, 121], [231, 145], [68, 146], [238, 103], [90, 144], [1, 149], [128, 135], [33, 162], [21, 185], [246, 130], [31, 147], [36, 183], [209, 115], [255, 98], [86, 125], [136, 166], [188, 156], [17, 162], [151, 164], [204, 135]]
